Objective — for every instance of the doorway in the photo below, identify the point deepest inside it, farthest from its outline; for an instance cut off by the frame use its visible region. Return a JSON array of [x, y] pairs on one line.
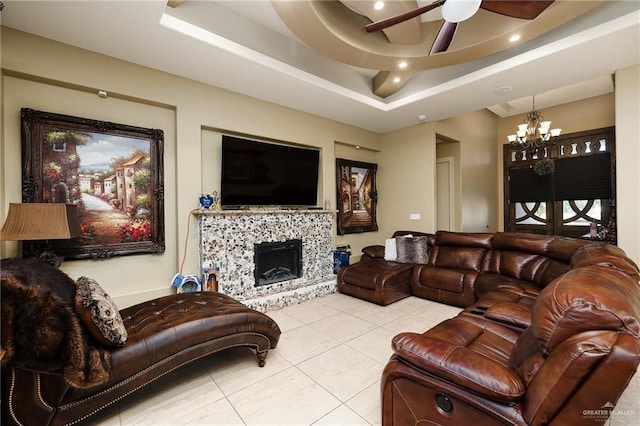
[[447, 192], [444, 193]]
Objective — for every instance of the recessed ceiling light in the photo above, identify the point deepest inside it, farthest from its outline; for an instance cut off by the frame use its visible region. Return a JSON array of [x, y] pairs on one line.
[[503, 89], [403, 65], [357, 146], [396, 80], [514, 38], [379, 5], [422, 117]]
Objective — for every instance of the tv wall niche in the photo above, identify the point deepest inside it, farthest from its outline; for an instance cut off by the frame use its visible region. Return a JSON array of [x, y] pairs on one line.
[[255, 173]]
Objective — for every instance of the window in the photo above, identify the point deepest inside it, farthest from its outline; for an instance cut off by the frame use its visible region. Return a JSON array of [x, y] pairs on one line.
[[563, 189]]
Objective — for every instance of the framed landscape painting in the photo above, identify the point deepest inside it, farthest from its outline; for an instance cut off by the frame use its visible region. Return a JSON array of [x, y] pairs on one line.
[[357, 196], [112, 172]]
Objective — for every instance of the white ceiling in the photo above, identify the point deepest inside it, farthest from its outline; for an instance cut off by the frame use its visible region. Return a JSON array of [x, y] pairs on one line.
[[244, 47]]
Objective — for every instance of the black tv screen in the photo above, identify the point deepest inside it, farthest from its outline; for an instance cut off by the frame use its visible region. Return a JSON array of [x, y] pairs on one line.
[[264, 174]]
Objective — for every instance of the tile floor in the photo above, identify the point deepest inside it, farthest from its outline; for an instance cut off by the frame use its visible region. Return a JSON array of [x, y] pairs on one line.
[[325, 371]]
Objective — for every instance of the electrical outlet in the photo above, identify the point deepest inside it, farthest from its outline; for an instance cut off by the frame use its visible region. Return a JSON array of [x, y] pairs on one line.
[[414, 216]]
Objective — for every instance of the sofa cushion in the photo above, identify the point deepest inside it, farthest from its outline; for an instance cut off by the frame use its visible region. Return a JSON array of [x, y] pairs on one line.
[[464, 239], [495, 288], [526, 266], [99, 313], [526, 243], [465, 258], [446, 279], [412, 249], [578, 301], [472, 354], [512, 314]]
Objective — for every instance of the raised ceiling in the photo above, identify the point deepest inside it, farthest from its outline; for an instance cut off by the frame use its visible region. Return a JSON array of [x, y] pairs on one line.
[[245, 46]]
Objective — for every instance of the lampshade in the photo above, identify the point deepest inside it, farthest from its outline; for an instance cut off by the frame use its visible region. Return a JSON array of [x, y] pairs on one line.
[[41, 221]]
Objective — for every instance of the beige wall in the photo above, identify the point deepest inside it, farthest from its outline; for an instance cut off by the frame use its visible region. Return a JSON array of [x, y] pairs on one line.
[[50, 76], [407, 179], [476, 132], [627, 102]]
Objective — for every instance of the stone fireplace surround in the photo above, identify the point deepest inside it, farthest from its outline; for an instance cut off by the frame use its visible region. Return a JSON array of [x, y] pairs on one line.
[[227, 239]]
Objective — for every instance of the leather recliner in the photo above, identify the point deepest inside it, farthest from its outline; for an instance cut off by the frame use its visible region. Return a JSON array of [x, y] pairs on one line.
[[569, 366]]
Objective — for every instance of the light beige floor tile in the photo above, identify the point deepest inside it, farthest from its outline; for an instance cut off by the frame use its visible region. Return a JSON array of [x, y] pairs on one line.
[[367, 404], [411, 305], [110, 416], [170, 398], [343, 302], [237, 368], [409, 322], [343, 371], [303, 343], [343, 416], [284, 321], [436, 312], [220, 412], [310, 311], [627, 411], [288, 398], [377, 314], [376, 344], [342, 327]]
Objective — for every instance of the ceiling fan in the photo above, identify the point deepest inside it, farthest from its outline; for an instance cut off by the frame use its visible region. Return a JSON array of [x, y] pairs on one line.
[[455, 11]]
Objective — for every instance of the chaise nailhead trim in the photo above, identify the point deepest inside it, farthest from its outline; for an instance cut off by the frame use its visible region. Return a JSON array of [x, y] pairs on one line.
[[11, 392], [155, 365], [39, 392]]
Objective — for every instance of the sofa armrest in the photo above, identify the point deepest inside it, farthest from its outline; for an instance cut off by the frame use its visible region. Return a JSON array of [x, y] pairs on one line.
[[510, 313], [374, 251], [459, 365]]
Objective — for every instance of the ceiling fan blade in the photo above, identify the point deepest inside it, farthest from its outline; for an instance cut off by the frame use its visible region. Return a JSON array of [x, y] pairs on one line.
[[522, 9], [394, 20], [444, 37]]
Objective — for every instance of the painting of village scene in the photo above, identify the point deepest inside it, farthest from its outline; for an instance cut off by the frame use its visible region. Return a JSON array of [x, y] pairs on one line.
[[110, 172], [357, 196]]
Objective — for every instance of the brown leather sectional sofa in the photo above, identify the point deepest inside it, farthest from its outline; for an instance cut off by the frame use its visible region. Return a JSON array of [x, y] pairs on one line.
[[549, 333]]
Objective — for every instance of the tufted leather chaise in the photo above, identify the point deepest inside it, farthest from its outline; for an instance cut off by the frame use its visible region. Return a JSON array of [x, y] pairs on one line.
[[163, 335]]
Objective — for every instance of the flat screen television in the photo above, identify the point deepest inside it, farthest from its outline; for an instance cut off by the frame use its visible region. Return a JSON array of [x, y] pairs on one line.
[[265, 174]]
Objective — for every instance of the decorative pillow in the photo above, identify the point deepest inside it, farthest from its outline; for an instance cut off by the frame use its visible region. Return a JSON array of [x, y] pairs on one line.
[[374, 251], [99, 314], [412, 249], [390, 252]]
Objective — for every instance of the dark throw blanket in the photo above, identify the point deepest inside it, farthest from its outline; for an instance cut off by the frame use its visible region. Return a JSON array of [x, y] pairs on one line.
[[40, 328]]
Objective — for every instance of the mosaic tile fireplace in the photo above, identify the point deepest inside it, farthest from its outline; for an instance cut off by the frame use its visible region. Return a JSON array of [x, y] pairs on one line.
[[228, 240]]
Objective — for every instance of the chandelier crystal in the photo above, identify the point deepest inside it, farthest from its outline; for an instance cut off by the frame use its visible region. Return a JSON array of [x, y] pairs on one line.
[[534, 132]]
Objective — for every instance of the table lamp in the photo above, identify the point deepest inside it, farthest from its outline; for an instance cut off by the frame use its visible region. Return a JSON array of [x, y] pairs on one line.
[[41, 221]]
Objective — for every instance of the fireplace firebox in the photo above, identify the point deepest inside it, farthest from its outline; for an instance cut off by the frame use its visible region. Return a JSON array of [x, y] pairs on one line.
[[277, 261]]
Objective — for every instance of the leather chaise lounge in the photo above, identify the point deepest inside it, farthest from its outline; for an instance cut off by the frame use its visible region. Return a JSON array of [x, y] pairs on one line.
[[549, 332], [55, 372]]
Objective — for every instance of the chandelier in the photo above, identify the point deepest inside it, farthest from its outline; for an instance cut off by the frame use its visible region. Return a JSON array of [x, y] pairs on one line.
[[534, 133]]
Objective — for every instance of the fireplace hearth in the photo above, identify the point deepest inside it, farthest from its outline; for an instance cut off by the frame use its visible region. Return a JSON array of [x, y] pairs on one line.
[[227, 239], [277, 261]]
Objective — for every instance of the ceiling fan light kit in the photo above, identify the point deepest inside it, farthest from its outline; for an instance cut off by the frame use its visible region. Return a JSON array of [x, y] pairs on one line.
[[459, 10]]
